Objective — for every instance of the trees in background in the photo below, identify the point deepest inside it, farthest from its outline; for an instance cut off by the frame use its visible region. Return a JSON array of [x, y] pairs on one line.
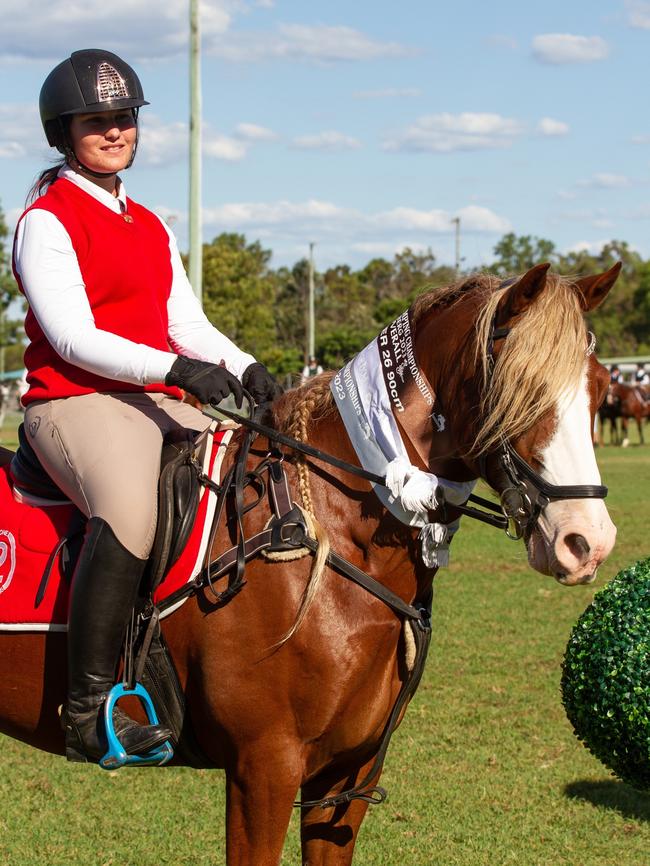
[[263, 309], [11, 322]]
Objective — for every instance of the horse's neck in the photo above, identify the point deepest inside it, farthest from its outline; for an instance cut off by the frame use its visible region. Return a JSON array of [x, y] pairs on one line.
[[444, 351], [360, 528]]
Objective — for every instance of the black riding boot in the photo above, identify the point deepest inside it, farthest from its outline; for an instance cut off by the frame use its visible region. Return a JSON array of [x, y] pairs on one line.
[[104, 590]]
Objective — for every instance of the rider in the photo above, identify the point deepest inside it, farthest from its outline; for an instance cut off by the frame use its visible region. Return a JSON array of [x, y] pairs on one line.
[[615, 375], [641, 375], [312, 368], [115, 332]]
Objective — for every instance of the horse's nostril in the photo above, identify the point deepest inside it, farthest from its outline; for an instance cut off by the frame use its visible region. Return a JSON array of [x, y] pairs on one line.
[[578, 545]]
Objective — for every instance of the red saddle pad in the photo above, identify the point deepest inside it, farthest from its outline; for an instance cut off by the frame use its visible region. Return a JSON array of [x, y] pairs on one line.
[[31, 531]]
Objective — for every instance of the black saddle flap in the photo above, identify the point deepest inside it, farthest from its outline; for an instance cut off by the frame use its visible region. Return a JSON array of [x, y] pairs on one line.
[[178, 501]]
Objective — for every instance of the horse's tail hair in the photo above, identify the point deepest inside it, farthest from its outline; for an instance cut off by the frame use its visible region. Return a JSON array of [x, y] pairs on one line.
[[315, 577]]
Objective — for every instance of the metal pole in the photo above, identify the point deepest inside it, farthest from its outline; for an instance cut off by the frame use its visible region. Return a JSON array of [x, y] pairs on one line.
[[196, 245], [3, 337], [456, 220], [311, 329]]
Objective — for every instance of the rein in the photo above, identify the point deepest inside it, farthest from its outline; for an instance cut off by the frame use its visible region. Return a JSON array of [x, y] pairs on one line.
[[497, 519]]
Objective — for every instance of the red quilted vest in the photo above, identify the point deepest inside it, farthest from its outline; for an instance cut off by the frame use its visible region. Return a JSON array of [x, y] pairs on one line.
[[126, 267]]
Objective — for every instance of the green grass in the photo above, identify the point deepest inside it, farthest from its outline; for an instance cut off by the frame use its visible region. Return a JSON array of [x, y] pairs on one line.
[[484, 771]]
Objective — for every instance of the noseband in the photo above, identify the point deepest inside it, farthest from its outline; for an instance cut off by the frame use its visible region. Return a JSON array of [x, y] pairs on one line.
[[526, 494]]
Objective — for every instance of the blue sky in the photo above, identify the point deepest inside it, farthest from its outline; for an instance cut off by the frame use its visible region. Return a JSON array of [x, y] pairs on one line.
[[366, 126]]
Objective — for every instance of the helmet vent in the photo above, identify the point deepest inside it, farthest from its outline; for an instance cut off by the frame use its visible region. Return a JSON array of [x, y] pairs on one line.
[[110, 84]]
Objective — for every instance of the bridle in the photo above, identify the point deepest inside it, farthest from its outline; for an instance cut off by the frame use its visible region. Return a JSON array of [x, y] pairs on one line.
[[525, 494]]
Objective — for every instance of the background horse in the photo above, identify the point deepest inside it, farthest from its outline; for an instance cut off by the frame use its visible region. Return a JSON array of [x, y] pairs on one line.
[[511, 368], [624, 402]]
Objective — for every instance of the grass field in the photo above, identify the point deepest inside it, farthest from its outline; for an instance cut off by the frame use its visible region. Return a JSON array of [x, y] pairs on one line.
[[484, 771]]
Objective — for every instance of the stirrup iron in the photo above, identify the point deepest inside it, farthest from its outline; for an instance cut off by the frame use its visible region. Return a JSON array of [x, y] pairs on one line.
[[116, 755]]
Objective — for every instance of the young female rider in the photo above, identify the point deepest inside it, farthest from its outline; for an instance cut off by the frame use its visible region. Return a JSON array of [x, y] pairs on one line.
[[115, 331]]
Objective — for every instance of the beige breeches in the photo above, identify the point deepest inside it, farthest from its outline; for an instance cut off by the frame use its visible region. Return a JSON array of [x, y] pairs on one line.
[[103, 451]]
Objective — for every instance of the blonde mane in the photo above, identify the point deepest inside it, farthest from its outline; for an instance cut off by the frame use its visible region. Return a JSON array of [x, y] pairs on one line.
[[541, 360]]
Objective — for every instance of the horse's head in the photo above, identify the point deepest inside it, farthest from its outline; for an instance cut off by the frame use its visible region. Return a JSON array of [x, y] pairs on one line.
[[521, 388]]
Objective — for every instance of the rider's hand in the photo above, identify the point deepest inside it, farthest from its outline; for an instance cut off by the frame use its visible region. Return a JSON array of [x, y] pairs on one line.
[[260, 384], [209, 383]]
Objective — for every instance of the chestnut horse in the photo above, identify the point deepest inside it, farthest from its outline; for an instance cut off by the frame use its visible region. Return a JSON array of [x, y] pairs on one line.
[[624, 402], [514, 376]]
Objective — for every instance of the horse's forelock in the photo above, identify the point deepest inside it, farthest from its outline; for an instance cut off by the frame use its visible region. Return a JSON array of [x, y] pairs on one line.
[[541, 360]]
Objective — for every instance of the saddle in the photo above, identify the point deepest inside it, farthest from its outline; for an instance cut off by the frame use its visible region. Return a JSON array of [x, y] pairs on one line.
[[178, 494]]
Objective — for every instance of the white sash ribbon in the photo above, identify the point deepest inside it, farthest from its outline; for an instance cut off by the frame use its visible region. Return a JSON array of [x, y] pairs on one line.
[[365, 405]]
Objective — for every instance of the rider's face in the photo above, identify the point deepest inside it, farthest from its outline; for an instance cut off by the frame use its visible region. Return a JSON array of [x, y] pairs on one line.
[[104, 141]]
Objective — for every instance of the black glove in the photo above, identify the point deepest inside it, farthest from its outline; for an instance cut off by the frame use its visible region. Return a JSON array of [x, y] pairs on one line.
[[260, 384], [209, 383]]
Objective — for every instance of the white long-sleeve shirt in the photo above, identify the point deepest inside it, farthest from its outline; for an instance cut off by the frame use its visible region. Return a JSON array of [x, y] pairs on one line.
[[51, 278]]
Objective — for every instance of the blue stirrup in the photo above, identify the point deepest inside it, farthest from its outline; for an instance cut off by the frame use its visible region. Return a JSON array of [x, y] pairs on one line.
[[116, 756]]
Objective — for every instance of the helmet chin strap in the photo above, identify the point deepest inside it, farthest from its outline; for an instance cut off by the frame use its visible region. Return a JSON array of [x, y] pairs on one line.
[[100, 175]]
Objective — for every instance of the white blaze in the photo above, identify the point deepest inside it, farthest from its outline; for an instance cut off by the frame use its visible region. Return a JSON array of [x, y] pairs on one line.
[[576, 534], [569, 457]]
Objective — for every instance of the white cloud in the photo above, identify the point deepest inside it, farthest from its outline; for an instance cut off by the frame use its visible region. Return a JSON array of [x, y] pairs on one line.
[[163, 143], [318, 42], [644, 138], [443, 133], [388, 93], [47, 30], [638, 14], [474, 218], [249, 215], [253, 132], [559, 48], [223, 146], [593, 248], [435, 220], [302, 219], [21, 133], [327, 140], [42, 29], [605, 180], [550, 127]]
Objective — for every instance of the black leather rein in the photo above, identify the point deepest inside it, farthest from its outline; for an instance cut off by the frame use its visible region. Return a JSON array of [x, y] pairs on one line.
[[496, 519]]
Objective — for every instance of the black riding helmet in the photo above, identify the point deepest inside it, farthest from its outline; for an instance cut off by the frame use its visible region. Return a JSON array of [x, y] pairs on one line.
[[88, 81]]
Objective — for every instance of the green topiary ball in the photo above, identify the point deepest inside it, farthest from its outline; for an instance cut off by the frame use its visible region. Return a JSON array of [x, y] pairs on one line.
[[606, 676]]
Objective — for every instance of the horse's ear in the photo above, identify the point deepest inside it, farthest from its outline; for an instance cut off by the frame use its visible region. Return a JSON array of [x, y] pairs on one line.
[[592, 291], [522, 293]]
